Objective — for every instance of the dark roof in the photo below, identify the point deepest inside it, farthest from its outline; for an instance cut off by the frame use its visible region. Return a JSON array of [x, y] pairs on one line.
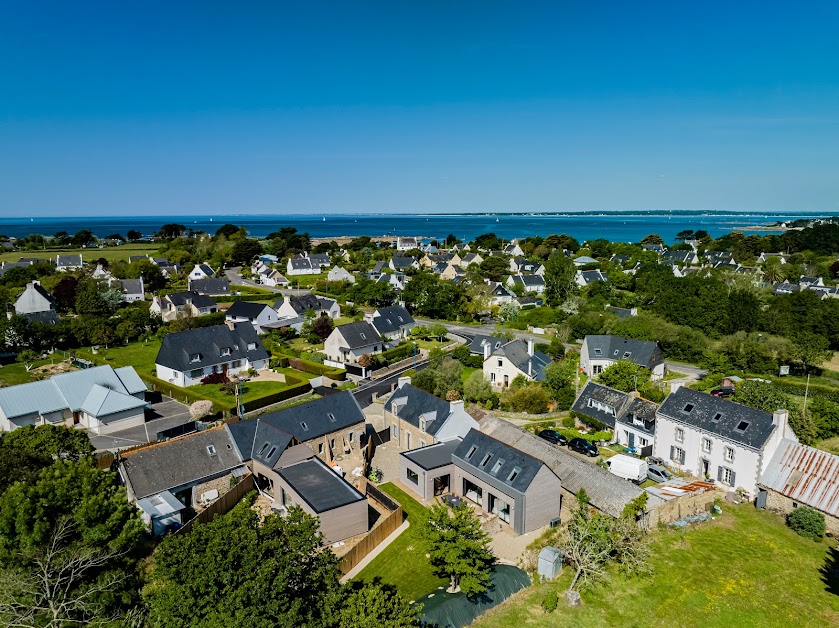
[[484, 446], [7, 266], [311, 420], [479, 341], [620, 312], [180, 461], [319, 486], [299, 263], [360, 334], [132, 286], [595, 398], [500, 291], [755, 426], [591, 276], [37, 287], [207, 343], [433, 456], [391, 319], [198, 300], [210, 286], [306, 302], [269, 443], [678, 256], [529, 281], [516, 352], [47, 317], [412, 403], [205, 268], [136, 258], [320, 259], [640, 415], [646, 353], [247, 309], [398, 262], [242, 434], [69, 260]]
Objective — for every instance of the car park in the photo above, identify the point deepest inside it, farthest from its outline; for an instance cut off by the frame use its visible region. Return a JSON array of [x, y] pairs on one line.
[[583, 446], [552, 436]]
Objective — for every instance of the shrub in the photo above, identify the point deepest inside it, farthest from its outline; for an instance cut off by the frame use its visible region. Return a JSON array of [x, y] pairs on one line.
[[807, 522], [530, 398], [215, 378], [200, 409], [569, 422], [550, 602], [280, 362]]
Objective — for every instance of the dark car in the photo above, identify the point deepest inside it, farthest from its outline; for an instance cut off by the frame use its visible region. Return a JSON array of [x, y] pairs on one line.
[[723, 392], [583, 446], [552, 436]]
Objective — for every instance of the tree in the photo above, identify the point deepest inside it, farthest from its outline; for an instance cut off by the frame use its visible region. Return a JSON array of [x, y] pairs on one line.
[[89, 301], [376, 606], [772, 270], [458, 548], [811, 349], [245, 251], [322, 326], [508, 312], [83, 238], [171, 230], [653, 238], [153, 278], [48, 442], [133, 235], [761, 396], [438, 330], [531, 398], [495, 267], [65, 293], [488, 241], [239, 571], [560, 274], [625, 375], [477, 389], [227, 230], [18, 466], [685, 234]]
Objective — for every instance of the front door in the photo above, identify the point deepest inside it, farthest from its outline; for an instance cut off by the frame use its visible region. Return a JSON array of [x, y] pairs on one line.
[[705, 467], [630, 438]]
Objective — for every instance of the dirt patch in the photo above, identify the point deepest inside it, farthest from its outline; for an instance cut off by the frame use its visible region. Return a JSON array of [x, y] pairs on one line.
[[48, 370]]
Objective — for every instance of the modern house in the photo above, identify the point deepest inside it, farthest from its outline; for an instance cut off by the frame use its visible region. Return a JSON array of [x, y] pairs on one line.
[[588, 277], [261, 315], [630, 417], [347, 343], [297, 306], [393, 323], [600, 351], [528, 283], [181, 304], [210, 286], [37, 305], [99, 399], [798, 475], [65, 263], [201, 271], [726, 442], [186, 357], [417, 418], [516, 357], [133, 290], [403, 264], [336, 273]]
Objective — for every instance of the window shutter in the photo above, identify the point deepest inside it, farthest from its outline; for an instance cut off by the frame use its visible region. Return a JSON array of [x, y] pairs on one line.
[[672, 452], [733, 476], [682, 457], [719, 474]]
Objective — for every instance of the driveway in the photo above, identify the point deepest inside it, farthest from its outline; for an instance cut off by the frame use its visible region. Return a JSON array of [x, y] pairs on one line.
[[688, 369], [236, 279], [165, 414]]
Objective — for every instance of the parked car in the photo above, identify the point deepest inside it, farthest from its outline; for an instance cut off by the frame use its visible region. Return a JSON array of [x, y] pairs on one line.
[[628, 468], [552, 436], [658, 474], [723, 392], [583, 446]]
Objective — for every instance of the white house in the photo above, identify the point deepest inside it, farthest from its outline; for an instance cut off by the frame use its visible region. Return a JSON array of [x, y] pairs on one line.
[[529, 283], [347, 343], [726, 442], [599, 352], [499, 295], [336, 273], [260, 315], [201, 271], [297, 306], [181, 304], [513, 249], [34, 299], [267, 276], [402, 264], [186, 357], [393, 323], [68, 262], [406, 244], [132, 290], [516, 357], [588, 277]]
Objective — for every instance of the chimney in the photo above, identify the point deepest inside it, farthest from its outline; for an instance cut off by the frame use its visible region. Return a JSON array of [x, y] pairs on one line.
[[402, 381], [530, 347], [456, 404], [780, 419], [231, 325], [487, 349], [530, 368]]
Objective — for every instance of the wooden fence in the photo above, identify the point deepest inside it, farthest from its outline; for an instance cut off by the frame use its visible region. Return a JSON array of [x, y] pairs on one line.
[[222, 505], [378, 534]]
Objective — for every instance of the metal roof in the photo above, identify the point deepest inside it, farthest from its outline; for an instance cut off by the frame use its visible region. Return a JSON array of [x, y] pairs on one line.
[[102, 402], [805, 475], [319, 486], [434, 456]]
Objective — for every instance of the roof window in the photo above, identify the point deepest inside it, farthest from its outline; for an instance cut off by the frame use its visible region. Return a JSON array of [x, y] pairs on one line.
[[194, 357], [262, 449], [716, 418], [211, 449], [304, 426], [513, 474], [598, 352], [272, 452], [689, 408], [331, 417], [627, 354], [742, 426], [497, 466], [486, 460], [363, 337]]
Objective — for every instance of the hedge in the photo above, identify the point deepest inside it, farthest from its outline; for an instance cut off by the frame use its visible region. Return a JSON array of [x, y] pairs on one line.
[[398, 353], [282, 395], [797, 389], [175, 392], [317, 369], [233, 298], [279, 362]]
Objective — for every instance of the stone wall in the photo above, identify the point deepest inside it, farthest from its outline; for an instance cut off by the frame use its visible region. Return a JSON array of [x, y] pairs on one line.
[[784, 505]]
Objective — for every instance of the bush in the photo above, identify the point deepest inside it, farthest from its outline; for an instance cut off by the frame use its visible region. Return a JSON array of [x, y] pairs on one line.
[[280, 362], [200, 409], [531, 398], [550, 602], [807, 522], [569, 422], [317, 369], [215, 378]]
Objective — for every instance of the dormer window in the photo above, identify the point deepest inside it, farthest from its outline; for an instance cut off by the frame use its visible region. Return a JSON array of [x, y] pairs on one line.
[[513, 474], [194, 357], [251, 346], [716, 418], [497, 466], [225, 351]]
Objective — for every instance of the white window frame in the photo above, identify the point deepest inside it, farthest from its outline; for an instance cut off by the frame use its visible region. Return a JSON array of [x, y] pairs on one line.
[[727, 475], [707, 445], [679, 435], [728, 454]]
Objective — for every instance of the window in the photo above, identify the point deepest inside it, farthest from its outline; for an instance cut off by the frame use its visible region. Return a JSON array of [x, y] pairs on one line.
[[225, 351], [304, 426], [742, 426], [627, 354], [251, 346], [598, 352], [492, 377], [194, 357], [211, 449], [412, 475], [689, 407], [599, 405], [363, 337], [643, 442], [236, 364], [486, 459], [513, 475], [351, 437], [196, 373], [677, 455], [331, 417], [422, 423], [728, 454], [726, 476], [497, 466], [716, 418], [500, 362], [272, 452], [472, 451], [320, 448], [680, 435], [262, 449], [394, 430], [706, 445]]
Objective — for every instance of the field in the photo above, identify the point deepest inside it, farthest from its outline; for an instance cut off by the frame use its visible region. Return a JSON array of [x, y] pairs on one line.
[[111, 253], [403, 563], [14, 374], [744, 569]]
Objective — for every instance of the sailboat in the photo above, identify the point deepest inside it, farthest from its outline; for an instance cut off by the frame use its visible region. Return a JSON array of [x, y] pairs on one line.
[[324, 219]]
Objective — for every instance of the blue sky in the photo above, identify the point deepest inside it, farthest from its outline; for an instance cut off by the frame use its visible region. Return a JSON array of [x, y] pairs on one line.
[[221, 107]]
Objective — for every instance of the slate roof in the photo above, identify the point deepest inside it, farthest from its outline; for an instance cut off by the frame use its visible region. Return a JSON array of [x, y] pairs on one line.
[[136, 258], [731, 416], [646, 353], [132, 286], [247, 309], [678, 256], [620, 312], [47, 317], [806, 475], [315, 415], [210, 286], [529, 282], [479, 341], [401, 263], [300, 263], [7, 266], [305, 302], [319, 259], [391, 319], [207, 343], [481, 445], [180, 461], [319, 486], [434, 456], [377, 267], [357, 335], [594, 394], [516, 352], [607, 492], [179, 299], [412, 404], [69, 260], [591, 276], [269, 443], [500, 291], [583, 260]]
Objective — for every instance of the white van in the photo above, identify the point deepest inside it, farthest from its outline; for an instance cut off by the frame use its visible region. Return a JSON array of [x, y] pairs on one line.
[[628, 468]]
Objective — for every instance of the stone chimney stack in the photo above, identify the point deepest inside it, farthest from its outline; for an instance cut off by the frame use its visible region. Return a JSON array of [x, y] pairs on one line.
[[487, 350], [780, 419], [530, 347]]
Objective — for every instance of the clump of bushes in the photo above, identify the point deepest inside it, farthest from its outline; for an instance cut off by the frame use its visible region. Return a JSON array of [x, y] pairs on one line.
[[807, 522]]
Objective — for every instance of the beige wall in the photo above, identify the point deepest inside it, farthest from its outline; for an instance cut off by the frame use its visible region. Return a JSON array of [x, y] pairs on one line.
[[418, 437], [783, 504], [318, 445]]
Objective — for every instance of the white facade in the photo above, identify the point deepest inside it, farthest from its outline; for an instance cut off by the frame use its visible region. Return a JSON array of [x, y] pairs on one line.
[[335, 348], [593, 365], [199, 273], [266, 315], [336, 273], [193, 377]]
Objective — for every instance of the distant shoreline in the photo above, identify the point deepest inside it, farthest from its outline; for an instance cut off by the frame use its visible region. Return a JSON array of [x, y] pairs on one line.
[[766, 228]]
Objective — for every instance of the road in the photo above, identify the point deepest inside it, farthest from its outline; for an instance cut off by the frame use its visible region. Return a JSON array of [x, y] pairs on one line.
[[688, 369], [236, 279]]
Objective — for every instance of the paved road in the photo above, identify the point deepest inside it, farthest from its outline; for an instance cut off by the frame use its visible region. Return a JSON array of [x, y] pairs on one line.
[[688, 369], [364, 394], [236, 279], [162, 416]]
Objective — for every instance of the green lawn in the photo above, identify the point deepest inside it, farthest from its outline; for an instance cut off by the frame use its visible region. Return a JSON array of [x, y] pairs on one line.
[[467, 371], [305, 281], [111, 253], [140, 355], [403, 563], [744, 569], [432, 344], [14, 374], [831, 445], [250, 390]]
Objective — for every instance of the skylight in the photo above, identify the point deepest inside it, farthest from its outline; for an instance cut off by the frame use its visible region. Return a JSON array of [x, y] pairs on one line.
[[689, 407], [363, 337], [262, 449], [497, 466], [598, 352], [303, 425], [472, 451], [513, 474], [486, 459], [627, 354], [272, 452], [331, 417], [211, 449], [716, 418], [742, 425]]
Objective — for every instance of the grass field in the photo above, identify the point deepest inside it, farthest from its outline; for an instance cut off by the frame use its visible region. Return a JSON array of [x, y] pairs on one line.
[[831, 445], [111, 253], [14, 374], [744, 569], [403, 563]]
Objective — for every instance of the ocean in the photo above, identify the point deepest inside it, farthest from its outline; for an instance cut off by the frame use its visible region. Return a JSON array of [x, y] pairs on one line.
[[615, 226]]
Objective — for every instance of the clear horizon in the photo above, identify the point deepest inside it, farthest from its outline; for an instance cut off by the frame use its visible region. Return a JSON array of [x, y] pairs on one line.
[[199, 109]]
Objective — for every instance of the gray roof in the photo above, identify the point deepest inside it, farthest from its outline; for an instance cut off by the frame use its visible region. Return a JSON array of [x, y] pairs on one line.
[[644, 412], [591, 276], [137, 258], [205, 268], [207, 343], [301, 263], [312, 420], [411, 403], [594, 396], [678, 256], [319, 486], [391, 319], [305, 302], [646, 353], [516, 352], [198, 300], [69, 260], [500, 291], [377, 267], [479, 341], [129, 378], [620, 312], [399, 262], [806, 475], [247, 309], [434, 456], [607, 492], [210, 286], [132, 286], [48, 317], [320, 259], [357, 335], [269, 443], [727, 419], [181, 461], [529, 281], [480, 453]]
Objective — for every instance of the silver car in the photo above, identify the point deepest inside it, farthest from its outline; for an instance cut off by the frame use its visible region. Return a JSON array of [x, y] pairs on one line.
[[658, 474]]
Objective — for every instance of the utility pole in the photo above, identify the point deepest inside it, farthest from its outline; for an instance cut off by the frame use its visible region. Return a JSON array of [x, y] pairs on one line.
[[806, 390]]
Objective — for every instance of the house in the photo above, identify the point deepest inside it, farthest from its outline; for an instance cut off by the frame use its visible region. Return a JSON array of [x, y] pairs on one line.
[[528, 283], [297, 306], [201, 271], [347, 343], [100, 399], [654, 248], [417, 418], [101, 273], [336, 273], [432, 259], [471, 258], [268, 276], [65, 263], [406, 244], [622, 312], [132, 290], [268, 259], [392, 323], [684, 258], [7, 266], [786, 288], [599, 352], [186, 357], [512, 359], [522, 266], [321, 260], [181, 304], [527, 302], [211, 286], [726, 442], [513, 249], [452, 272], [584, 260], [630, 417], [170, 270], [397, 281], [798, 475], [402, 264], [499, 295], [589, 277], [479, 343], [301, 266], [810, 282], [37, 304], [781, 257], [260, 315]]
